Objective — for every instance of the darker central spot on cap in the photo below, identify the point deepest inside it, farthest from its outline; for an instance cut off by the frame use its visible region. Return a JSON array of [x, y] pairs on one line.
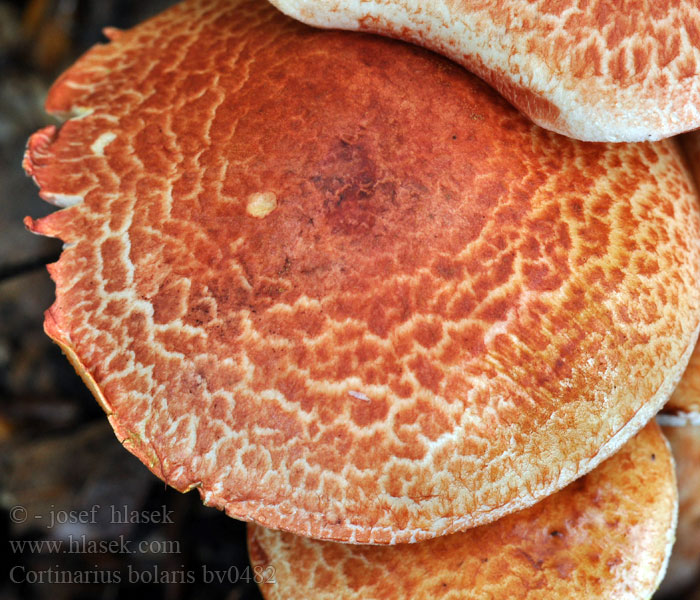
[[348, 184]]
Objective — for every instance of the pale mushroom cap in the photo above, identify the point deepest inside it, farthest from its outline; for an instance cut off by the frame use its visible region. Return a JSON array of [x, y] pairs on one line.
[[684, 565], [607, 535], [594, 71], [445, 314]]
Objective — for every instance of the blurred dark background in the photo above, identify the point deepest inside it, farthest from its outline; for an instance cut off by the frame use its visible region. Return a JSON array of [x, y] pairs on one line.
[[58, 455], [63, 474]]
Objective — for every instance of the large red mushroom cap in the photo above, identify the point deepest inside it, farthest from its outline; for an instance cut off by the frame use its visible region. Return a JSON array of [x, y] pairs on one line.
[[596, 71], [341, 287], [607, 535]]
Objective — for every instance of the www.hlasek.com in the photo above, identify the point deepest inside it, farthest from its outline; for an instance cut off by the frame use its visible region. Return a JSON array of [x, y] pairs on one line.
[[83, 545], [232, 575]]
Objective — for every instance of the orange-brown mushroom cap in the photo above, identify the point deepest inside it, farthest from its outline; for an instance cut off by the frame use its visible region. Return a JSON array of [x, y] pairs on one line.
[[684, 565], [607, 535], [343, 288], [595, 71]]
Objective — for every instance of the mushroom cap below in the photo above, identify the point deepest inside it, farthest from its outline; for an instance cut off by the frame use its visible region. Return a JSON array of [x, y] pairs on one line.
[[597, 72], [341, 287], [684, 565], [607, 535]]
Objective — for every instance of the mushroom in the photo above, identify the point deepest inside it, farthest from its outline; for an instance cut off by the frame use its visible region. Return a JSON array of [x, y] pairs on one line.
[[594, 71], [683, 407], [607, 535], [684, 565], [341, 287]]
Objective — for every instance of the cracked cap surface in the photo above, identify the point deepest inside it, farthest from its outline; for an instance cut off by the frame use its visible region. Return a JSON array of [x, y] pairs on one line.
[[607, 535]]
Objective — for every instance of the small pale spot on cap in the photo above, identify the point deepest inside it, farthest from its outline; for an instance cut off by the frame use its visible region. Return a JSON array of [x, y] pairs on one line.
[[77, 112], [99, 145], [62, 200], [261, 204]]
